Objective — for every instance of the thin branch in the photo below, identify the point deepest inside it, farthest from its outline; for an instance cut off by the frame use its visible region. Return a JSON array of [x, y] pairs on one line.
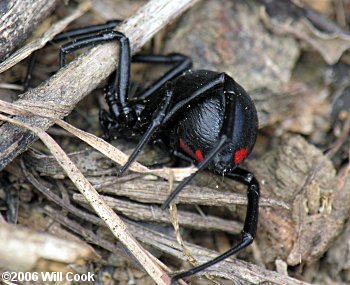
[[146, 192], [149, 213]]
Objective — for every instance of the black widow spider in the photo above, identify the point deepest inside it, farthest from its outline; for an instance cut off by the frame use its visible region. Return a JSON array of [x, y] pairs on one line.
[[201, 116]]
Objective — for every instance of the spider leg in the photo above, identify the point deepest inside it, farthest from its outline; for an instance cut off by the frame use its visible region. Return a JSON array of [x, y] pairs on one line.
[[156, 121], [182, 62], [204, 90], [88, 30], [30, 69], [66, 35], [222, 142], [120, 82], [250, 223], [183, 157]]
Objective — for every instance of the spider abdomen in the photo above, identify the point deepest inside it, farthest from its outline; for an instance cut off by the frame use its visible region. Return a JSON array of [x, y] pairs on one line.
[[200, 126]]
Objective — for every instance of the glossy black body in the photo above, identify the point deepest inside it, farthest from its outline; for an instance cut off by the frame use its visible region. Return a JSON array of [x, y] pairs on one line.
[[200, 123], [199, 115]]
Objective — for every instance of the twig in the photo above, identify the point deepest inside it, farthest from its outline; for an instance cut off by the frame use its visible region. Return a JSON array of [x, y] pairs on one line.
[[136, 211], [51, 196], [229, 269], [145, 192], [63, 91], [10, 86]]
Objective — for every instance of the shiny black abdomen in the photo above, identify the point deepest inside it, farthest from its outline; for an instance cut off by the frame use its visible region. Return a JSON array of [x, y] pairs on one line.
[[199, 126], [196, 128]]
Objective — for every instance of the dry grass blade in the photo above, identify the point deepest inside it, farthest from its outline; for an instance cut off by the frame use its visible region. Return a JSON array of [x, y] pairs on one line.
[[99, 144], [121, 158], [115, 224], [233, 269], [175, 221]]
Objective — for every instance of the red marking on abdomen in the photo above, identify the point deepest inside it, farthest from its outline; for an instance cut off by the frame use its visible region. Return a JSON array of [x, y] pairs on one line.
[[240, 155], [199, 155], [185, 148]]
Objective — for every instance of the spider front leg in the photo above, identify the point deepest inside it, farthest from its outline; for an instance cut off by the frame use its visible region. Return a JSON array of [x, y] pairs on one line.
[[222, 142], [250, 223], [72, 34], [118, 89], [181, 64], [156, 121]]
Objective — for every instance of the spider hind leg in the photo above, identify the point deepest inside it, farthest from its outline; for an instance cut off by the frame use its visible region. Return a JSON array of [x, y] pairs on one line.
[[250, 223]]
